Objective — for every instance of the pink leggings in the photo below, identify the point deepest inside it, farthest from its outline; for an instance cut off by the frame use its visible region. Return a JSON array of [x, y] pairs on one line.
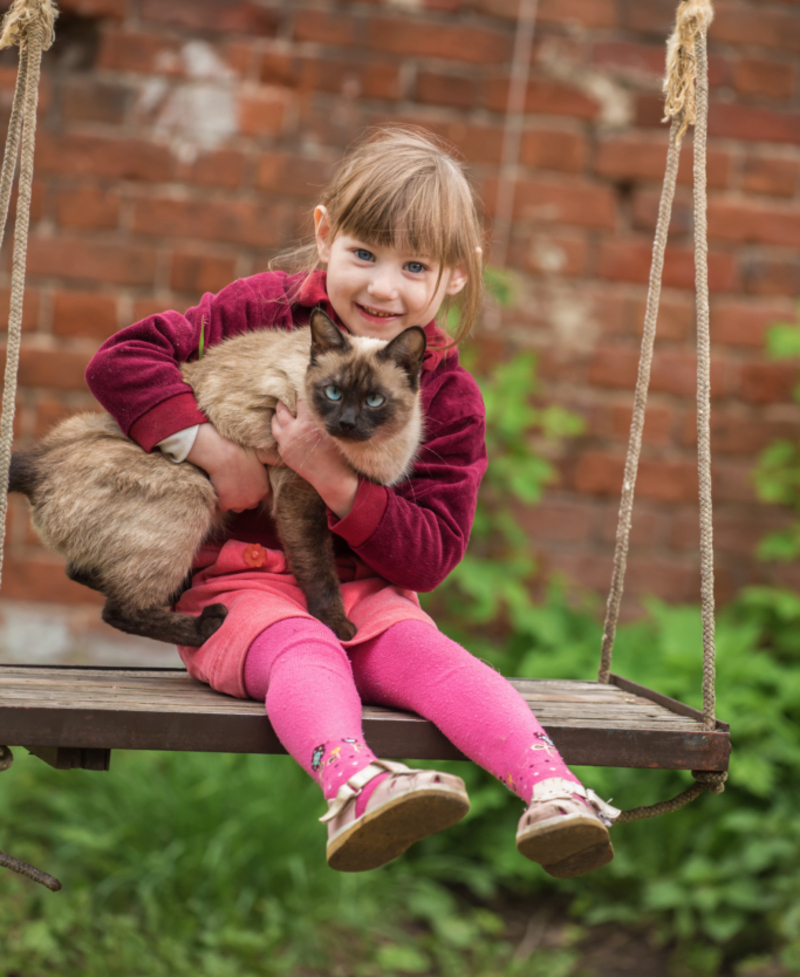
[[313, 690]]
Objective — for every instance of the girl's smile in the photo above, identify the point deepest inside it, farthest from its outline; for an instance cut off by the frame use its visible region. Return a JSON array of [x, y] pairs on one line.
[[377, 290]]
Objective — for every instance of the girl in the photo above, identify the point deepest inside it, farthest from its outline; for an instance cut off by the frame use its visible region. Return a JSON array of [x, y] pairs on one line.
[[398, 237]]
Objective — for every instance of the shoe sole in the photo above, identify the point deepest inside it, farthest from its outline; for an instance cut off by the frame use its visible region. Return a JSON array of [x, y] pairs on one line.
[[567, 846], [379, 836]]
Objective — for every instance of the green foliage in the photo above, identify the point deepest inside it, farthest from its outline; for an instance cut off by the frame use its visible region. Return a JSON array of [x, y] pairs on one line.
[[777, 475]]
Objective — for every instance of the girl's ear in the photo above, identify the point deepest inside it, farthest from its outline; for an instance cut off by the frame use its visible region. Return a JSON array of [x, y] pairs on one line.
[[322, 230], [458, 279]]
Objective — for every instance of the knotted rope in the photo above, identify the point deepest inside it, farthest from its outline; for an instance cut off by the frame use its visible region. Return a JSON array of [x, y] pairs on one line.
[[29, 25], [686, 88]]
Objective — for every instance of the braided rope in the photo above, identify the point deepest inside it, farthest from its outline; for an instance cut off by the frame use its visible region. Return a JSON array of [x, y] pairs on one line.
[[686, 87], [28, 24]]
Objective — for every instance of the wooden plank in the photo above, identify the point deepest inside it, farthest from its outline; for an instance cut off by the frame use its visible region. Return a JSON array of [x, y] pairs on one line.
[[72, 758], [164, 709]]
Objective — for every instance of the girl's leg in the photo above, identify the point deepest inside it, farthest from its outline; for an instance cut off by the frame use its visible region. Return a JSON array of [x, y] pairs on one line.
[[299, 668], [413, 666], [300, 671]]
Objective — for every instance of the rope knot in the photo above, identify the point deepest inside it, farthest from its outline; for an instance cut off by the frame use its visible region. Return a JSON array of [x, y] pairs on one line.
[[22, 15], [713, 780], [692, 18]]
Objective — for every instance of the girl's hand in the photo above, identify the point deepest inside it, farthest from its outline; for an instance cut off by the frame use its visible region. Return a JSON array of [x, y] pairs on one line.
[[313, 454], [239, 478]]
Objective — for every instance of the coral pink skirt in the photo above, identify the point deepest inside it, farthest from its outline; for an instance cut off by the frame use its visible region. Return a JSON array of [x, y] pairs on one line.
[[255, 584]]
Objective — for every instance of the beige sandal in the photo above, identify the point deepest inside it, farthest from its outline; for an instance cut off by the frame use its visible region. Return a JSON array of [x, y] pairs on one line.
[[564, 835], [406, 807]]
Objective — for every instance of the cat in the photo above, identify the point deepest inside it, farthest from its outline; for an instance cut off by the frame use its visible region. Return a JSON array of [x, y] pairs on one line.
[[130, 523]]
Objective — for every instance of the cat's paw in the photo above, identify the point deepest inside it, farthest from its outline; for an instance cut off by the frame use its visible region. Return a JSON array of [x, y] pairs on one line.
[[210, 620], [343, 629]]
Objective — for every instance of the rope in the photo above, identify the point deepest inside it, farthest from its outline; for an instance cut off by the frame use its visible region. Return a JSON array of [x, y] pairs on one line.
[[29, 25], [686, 103]]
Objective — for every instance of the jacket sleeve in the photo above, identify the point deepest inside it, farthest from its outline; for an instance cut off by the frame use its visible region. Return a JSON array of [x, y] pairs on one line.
[[415, 533], [135, 375]]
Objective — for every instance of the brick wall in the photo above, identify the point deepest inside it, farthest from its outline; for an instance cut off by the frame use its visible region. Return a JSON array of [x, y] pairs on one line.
[[182, 142]]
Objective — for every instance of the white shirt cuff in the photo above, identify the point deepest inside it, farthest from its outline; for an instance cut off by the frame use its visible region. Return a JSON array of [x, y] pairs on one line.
[[178, 445]]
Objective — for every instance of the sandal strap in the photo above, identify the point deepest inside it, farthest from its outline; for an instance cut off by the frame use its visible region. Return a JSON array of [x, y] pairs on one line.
[[558, 789], [353, 787]]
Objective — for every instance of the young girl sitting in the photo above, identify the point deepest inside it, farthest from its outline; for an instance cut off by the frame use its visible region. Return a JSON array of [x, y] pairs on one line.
[[398, 236]]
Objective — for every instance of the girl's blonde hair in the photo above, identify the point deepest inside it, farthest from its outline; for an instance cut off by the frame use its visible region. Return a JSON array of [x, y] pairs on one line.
[[401, 187]]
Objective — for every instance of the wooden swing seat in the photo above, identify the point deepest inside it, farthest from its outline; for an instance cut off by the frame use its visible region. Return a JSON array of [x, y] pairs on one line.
[[74, 716]]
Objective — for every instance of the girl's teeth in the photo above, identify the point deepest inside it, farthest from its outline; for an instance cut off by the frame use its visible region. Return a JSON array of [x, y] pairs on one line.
[[384, 315]]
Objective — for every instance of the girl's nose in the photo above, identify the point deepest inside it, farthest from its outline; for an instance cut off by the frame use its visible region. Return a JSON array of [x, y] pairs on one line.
[[383, 284]]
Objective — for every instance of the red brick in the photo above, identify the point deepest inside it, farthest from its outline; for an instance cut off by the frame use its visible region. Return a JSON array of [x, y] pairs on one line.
[[120, 159], [235, 221], [597, 473], [583, 13], [296, 176], [562, 202], [676, 317], [88, 100], [333, 29], [130, 50], [199, 273], [30, 308], [672, 371], [732, 480], [42, 578], [658, 427], [217, 16], [630, 59], [770, 175], [655, 17], [763, 276], [753, 223], [740, 322], [85, 315], [216, 168], [119, 264], [750, 24], [768, 383], [87, 206], [553, 149], [754, 76], [642, 157], [644, 212], [732, 534], [403, 36], [261, 111], [566, 522], [729, 121], [365, 79], [559, 253], [438, 89], [543, 96], [629, 261], [142, 308], [478, 143], [733, 434], [50, 410], [647, 528], [57, 369], [647, 62], [95, 8]]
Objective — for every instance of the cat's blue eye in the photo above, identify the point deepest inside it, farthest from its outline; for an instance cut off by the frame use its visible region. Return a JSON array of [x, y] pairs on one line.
[[363, 255], [375, 400], [415, 267], [333, 393]]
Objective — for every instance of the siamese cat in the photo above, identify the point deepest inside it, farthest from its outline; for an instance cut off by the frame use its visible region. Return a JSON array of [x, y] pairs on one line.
[[130, 523]]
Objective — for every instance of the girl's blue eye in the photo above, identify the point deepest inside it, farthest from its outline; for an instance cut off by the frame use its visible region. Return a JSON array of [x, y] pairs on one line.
[[333, 393], [415, 267], [375, 400], [363, 255]]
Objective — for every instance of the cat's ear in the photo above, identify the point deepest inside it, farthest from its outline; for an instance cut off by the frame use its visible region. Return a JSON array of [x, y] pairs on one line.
[[326, 336], [407, 350]]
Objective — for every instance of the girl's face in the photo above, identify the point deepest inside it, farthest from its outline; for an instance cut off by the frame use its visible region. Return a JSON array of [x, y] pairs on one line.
[[379, 291]]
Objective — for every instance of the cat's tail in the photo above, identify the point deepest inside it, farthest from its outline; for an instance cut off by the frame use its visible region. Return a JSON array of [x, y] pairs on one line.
[[22, 475]]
